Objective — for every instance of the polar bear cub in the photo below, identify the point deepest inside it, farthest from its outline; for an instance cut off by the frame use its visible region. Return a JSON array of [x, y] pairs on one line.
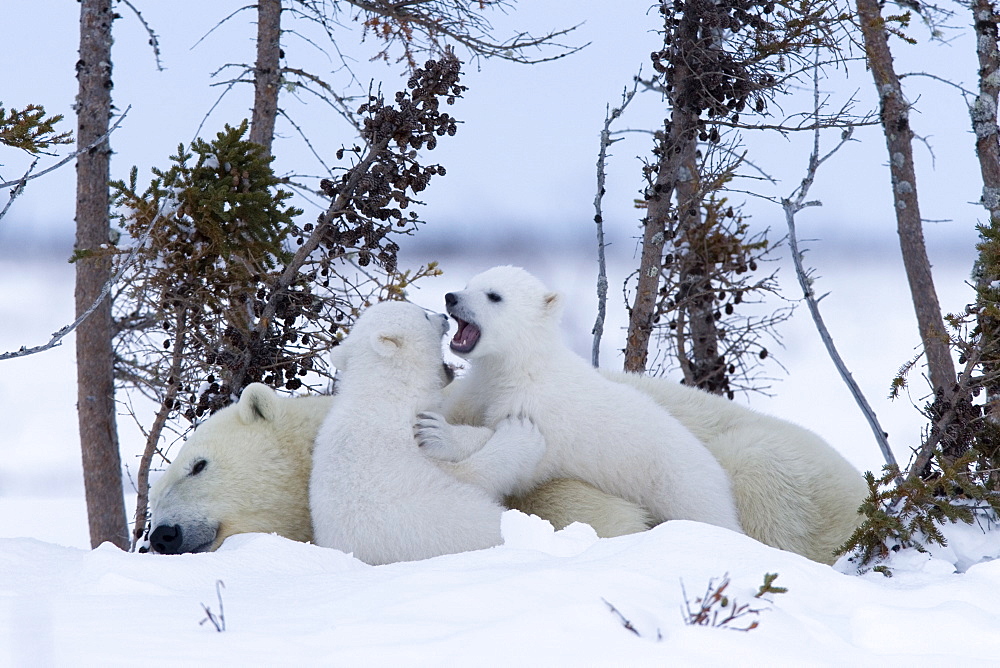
[[372, 491], [598, 431]]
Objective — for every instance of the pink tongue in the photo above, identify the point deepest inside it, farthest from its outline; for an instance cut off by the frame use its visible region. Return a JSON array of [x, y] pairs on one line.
[[465, 338]]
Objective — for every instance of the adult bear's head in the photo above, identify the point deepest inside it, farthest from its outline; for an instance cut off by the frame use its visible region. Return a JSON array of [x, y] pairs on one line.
[[245, 469]]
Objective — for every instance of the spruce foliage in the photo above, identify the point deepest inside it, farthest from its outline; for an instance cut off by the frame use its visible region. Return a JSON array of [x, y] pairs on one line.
[[902, 513], [30, 130], [210, 230]]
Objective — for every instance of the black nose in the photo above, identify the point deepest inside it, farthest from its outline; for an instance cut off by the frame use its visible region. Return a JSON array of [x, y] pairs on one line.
[[450, 299], [166, 539]]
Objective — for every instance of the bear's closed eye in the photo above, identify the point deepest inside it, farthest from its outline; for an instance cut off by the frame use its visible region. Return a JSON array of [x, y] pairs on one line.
[[493, 297]]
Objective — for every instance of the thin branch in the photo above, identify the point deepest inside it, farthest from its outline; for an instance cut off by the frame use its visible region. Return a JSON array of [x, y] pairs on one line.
[[610, 116], [167, 405], [964, 91], [306, 140], [209, 112], [339, 103], [58, 336], [97, 142], [219, 24], [154, 41], [792, 206], [18, 188]]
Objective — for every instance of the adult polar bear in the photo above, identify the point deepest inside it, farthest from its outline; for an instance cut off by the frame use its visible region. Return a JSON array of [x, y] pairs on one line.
[[246, 470], [603, 433], [792, 490], [373, 493]]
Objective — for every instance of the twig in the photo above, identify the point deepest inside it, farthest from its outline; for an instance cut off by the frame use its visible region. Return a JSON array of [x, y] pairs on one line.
[[792, 206], [97, 142], [610, 116], [308, 143], [167, 404], [621, 618], [58, 336], [19, 188], [154, 41], [964, 91], [217, 25], [212, 108], [218, 621]]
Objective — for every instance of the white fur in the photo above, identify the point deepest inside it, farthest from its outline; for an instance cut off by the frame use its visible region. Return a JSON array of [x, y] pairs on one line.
[[793, 490], [257, 454], [372, 492], [596, 430]]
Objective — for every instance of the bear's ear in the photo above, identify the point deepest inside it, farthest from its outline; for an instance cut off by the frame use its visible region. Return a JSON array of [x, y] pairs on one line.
[[258, 402], [386, 343], [552, 304]]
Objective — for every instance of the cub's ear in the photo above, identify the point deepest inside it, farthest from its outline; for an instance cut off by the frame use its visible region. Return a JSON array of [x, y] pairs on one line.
[[552, 304], [258, 402], [386, 343]]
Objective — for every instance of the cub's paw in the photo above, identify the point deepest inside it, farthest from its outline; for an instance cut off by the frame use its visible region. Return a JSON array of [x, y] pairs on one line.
[[436, 439], [520, 433]]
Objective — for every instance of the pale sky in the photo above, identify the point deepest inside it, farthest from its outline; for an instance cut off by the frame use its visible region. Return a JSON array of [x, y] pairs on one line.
[[526, 152], [522, 169]]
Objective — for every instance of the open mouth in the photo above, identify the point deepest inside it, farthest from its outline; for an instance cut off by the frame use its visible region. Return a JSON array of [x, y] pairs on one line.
[[466, 337]]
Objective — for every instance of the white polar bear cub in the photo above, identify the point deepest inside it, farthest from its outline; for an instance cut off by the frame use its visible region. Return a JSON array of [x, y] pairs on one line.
[[598, 431], [372, 491]]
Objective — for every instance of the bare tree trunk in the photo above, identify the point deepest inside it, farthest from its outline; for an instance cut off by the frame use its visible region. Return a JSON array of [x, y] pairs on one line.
[[984, 124], [267, 73], [677, 155], [898, 136], [984, 110], [94, 354]]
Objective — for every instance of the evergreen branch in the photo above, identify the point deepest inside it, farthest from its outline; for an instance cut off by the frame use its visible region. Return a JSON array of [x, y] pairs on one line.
[[29, 130], [94, 144]]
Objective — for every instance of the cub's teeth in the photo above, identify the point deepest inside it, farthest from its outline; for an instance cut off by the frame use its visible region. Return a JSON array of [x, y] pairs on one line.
[[466, 337]]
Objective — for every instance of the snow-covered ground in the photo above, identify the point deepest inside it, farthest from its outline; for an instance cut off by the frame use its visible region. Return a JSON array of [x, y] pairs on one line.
[[540, 599]]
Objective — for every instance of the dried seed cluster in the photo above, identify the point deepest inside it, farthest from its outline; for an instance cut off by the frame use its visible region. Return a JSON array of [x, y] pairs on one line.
[[372, 204]]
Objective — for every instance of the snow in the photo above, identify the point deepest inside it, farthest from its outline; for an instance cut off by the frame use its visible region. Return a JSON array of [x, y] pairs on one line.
[[537, 600], [542, 598]]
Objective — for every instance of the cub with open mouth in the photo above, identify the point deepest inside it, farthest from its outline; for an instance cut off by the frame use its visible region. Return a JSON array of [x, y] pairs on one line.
[[598, 431]]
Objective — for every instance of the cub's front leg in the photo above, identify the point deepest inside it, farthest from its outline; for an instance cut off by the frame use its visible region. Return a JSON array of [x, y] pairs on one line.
[[506, 463], [445, 442]]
